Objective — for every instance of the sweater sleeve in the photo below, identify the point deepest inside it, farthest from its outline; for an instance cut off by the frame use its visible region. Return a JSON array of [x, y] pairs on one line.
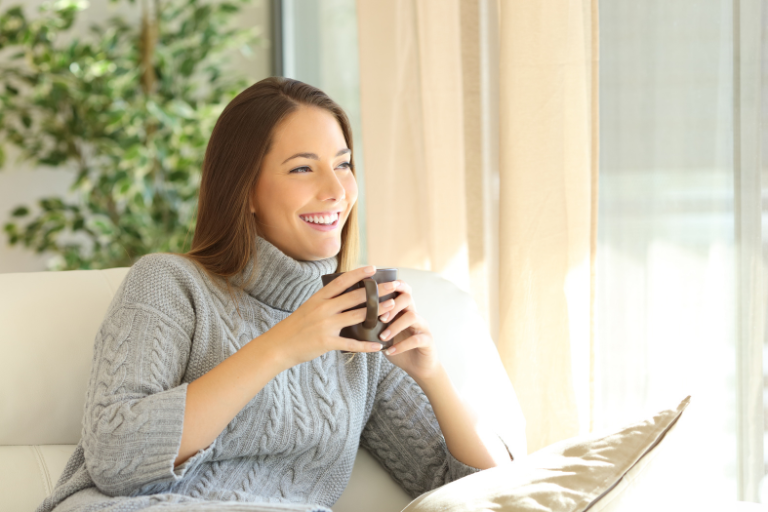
[[134, 407], [403, 434]]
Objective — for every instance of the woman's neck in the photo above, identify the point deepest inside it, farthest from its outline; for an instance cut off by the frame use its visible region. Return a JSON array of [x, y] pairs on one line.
[[281, 281]]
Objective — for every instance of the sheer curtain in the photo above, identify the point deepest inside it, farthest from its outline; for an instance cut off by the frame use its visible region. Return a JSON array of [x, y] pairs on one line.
[[680, 294], [479, 126]]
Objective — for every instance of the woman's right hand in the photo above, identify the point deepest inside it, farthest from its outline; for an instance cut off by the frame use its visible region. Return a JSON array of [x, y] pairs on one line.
[[313, 329]]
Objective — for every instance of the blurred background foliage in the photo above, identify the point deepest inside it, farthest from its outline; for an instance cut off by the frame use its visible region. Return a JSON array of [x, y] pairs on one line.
[[129, 107]]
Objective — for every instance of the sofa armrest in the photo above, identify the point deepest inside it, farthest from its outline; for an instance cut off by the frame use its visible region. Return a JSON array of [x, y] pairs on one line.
[[29, 473]]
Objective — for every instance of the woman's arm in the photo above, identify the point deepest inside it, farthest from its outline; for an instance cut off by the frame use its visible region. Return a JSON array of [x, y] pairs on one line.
[[216, 397], [413, 350], [312, 330], [465, 438], [142, 351]]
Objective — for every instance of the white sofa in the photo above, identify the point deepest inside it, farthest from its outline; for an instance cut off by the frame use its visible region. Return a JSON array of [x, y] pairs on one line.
[[48, 321]]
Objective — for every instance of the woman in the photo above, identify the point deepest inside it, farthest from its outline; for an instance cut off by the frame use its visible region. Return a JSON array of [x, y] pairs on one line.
[[217, 378]]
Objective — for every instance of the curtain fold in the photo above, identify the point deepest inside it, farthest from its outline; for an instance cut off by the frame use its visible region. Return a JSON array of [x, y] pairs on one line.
[[481, 164], [413, 140], [547, 219]]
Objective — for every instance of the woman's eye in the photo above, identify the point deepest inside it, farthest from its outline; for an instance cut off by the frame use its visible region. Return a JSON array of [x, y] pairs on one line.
[[298, 170]]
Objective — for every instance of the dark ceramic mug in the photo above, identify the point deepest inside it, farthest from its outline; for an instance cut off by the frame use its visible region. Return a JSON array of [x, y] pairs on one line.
[[370, 328]]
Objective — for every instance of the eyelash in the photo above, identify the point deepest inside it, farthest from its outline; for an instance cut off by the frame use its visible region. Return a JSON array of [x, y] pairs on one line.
[[305, 167]]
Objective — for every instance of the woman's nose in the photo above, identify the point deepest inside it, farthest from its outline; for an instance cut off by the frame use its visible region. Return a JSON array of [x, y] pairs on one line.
[[332, 188]]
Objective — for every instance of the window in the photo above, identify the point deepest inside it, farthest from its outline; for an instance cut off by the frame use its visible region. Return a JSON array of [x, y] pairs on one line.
[[680, 295], [319, 47]]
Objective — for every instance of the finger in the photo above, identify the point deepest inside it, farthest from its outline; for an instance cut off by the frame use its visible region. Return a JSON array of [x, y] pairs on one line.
[[351, 345], [348, 300], [402, 301], [389, 287], [347, 279], [408, 319], [405, 288], [392, 317], [415, 341], [404, 298], [354, 298], [420, 339], [348, 318]]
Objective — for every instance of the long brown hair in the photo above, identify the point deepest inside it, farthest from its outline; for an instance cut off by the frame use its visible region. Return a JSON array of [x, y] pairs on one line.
[[225, 233]]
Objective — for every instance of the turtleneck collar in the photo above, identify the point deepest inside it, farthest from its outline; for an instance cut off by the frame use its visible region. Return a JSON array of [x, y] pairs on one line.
[[282, 282]]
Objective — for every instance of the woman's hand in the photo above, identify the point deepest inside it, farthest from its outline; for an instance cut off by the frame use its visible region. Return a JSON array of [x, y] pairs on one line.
[[413, 349], [313, 329]]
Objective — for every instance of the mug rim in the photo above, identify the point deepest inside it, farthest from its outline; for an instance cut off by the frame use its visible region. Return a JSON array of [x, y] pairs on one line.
[[377, 270]]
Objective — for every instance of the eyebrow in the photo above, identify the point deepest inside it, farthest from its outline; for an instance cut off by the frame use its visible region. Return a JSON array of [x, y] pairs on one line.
[[314, 156]]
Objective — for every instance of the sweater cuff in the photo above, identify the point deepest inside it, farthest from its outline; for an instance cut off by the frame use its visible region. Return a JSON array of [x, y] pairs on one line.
[[164, 441], [121, 464], [192, 462], [166, 453], [182, 469], [457, 469]]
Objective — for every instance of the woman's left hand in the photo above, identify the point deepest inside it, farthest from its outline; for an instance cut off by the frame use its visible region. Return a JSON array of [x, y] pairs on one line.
[[413, 349]]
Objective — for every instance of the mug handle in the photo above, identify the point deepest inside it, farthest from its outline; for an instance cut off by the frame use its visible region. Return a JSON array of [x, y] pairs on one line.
[[371, 303]]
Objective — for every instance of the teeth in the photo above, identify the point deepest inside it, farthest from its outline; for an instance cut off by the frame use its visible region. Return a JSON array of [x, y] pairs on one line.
[[322, 219]]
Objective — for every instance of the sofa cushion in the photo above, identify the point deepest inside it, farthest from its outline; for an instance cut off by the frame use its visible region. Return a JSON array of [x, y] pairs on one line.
[[599, 472], [29, 473]]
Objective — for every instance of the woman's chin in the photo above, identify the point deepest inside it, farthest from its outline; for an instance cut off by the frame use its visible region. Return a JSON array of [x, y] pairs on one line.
[[326, 249]]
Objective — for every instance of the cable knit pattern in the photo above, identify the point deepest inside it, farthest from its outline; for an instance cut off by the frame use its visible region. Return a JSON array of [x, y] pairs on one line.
[[291, 448]]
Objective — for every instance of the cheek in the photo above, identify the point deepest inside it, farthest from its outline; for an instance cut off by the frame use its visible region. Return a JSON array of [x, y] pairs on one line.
[[279, 201], [350, 186]]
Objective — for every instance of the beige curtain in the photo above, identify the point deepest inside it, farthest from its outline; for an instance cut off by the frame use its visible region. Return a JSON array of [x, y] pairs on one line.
[[479, 123]]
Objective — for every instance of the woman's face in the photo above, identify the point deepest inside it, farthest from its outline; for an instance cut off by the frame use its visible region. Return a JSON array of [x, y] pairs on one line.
[[305, 174]]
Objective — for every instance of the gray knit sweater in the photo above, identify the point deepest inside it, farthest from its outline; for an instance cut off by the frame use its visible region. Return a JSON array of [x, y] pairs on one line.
[[290, 449]]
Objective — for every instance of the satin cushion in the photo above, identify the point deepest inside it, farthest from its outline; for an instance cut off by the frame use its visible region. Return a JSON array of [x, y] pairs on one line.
[[625, 469]]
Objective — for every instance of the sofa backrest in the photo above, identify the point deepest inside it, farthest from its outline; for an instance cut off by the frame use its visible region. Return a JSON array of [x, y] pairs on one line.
[[49, 320]]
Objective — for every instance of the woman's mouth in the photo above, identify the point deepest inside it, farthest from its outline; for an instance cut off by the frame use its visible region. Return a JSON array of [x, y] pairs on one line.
[[322, 221]]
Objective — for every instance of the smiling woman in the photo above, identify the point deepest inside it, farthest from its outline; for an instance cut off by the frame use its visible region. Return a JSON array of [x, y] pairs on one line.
[[280, 149], [195, 398], [301, 201]]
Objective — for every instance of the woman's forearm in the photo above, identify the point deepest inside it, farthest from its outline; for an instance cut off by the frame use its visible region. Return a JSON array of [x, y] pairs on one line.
[[465, 438], [216, 397]]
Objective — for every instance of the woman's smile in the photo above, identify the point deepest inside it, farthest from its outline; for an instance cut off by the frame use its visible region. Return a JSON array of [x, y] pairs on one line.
[[322, 221]]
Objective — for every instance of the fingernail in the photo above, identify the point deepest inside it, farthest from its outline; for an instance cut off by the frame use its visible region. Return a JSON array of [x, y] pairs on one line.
[[370, 269], [384, 317], [384, 335], [390, 351]]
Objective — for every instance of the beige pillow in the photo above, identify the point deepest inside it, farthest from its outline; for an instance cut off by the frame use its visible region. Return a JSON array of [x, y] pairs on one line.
[[600, 472]]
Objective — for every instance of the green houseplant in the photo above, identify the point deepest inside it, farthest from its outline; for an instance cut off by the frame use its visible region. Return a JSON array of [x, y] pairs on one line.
[[130, 108]]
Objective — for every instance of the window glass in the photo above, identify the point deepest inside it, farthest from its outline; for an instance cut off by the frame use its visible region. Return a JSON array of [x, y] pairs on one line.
[[319, 47]]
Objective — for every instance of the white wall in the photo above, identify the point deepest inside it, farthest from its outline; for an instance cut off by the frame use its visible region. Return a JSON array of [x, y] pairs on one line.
[[21, 184]]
